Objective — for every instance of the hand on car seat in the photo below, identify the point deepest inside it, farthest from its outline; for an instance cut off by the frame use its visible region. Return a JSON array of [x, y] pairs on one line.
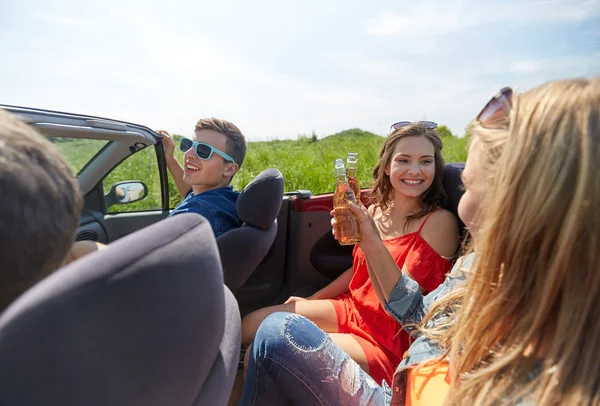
[[293, 299]]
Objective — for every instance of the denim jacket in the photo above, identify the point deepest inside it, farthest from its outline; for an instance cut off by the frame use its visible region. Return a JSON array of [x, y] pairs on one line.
[[217, 205], [408, 306]]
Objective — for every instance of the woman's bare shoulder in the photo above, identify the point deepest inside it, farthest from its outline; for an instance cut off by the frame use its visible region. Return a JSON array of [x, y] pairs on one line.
[[441, 232]]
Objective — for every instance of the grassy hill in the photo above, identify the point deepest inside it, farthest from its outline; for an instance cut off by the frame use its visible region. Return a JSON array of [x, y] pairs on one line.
[[306, 163]]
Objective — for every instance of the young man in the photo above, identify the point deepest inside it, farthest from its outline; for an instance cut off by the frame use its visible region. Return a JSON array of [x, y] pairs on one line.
[[39, 211], [212, 157]]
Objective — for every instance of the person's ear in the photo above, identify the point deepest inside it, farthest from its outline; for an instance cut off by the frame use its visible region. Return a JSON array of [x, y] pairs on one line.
[[231, 170]]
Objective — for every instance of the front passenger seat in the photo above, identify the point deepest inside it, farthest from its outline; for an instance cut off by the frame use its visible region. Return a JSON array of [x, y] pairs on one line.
[[147, 321], [243, 249]]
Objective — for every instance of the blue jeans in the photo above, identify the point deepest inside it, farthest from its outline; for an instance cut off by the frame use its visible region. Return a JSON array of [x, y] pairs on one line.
[[292, 361]]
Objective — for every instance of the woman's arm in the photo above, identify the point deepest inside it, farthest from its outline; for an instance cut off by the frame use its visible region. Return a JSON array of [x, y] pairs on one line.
[[396, 290], [340, 285], [408, 306], [440, 232], [372, 275]]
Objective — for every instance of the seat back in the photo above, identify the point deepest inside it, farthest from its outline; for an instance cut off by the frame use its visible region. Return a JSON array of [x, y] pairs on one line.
[[243, 249], [146, 321], [453, 186]]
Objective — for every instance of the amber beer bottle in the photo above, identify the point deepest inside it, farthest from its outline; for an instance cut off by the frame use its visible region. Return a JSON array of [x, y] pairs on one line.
[[347, 229], [352, 173]]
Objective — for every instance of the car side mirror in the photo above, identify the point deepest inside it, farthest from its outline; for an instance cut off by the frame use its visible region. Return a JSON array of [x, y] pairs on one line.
[[126, 192]]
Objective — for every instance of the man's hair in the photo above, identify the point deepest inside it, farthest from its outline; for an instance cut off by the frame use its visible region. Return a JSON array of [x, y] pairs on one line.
[[39, 210], [236, 142]]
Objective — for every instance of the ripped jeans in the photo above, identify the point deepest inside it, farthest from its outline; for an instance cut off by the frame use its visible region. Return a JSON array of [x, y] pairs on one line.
[[292, 361]]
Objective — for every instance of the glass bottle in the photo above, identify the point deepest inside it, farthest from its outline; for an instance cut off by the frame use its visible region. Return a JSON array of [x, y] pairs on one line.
[[348, 229], [352, 173]]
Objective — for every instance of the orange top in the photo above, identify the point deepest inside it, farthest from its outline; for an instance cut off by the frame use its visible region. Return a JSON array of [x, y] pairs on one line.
[[427, 385]]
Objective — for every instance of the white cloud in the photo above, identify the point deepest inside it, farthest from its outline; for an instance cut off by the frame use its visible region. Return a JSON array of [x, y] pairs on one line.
[[163, 67], [171, 78], [70, 22], [526, 66], [575, 65], [432, 18]]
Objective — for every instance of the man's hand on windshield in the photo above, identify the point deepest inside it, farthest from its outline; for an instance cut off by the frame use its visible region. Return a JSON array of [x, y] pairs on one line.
[[168, 144]]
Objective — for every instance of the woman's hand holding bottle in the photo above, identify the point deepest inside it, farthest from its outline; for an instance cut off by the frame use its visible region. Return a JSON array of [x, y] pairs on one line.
[[370, 233]]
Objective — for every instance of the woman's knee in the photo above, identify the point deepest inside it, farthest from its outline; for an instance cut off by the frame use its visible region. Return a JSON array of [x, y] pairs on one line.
[[286, 334], [252, 321], [270, 332]]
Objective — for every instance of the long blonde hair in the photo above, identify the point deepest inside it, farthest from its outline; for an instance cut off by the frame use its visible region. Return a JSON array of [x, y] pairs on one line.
[[528, 325], [441, 329]]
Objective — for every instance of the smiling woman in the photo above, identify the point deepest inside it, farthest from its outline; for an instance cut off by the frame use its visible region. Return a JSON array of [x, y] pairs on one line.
[[420, 236], [409, 162]]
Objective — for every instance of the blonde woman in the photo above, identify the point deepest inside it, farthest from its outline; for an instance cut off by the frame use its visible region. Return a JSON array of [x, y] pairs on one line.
[[524, 328], [416, 235], [528, 330]]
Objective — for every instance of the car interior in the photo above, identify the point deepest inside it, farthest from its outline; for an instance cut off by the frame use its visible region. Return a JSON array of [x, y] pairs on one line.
[[176, 315]]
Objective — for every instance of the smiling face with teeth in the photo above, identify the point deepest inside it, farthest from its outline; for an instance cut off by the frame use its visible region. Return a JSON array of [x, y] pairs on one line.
[[412, 166], [203, 175]]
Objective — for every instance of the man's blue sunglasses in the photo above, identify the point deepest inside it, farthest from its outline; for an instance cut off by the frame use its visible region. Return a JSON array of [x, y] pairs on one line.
[[203, 151]]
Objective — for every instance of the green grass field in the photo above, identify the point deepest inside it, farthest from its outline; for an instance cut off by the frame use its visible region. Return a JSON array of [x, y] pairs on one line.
[[306, 163]]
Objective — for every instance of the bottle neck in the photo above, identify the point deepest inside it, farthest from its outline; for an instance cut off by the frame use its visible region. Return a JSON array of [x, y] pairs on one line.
[[340, 178]]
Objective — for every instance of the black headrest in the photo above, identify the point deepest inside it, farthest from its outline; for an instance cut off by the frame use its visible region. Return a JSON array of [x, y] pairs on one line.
[[260, 202], [454, 188], [128, 325]]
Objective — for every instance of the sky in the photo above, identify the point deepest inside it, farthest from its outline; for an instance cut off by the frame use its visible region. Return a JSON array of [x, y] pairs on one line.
[[280, 68]]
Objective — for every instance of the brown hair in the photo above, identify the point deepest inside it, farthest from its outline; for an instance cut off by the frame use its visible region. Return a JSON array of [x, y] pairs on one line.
[[381, 194], [40, 208], [236, 142]]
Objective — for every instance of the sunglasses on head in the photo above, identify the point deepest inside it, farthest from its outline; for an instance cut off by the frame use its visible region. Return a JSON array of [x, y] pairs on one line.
[[203, 151], [427, 124], [496, 112]]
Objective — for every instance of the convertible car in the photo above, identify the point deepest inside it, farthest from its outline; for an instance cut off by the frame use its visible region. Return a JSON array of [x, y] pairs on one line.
[[284, 248]]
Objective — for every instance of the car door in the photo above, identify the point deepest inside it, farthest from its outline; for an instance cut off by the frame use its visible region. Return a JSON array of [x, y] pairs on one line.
[[120, 168]]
